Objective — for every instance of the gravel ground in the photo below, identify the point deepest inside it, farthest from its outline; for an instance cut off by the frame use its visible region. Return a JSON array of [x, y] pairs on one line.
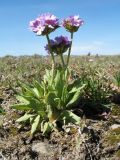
[[88, 142]]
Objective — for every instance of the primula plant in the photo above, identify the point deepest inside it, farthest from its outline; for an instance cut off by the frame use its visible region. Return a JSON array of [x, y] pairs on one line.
[[52, 100]]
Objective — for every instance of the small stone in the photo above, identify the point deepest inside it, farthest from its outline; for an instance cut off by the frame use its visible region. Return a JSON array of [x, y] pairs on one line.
[[23, 149], [115, 126], [42, 148], [118, 144]]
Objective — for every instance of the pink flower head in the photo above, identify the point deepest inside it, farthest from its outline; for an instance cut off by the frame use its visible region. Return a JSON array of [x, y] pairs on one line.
[[59, 45], [72, 23], [44, 24]]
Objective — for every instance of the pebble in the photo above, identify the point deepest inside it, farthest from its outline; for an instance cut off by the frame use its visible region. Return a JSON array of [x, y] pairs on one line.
[[115, 126], [42, 148]]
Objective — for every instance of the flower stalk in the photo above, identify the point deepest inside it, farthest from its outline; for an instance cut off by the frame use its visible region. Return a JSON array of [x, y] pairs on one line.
[[52, 55], [69, 51], [62, 60], [48, 23]]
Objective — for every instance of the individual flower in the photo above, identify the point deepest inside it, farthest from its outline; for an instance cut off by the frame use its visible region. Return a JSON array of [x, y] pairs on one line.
[[59, 45], [72, 23], [44, 24]]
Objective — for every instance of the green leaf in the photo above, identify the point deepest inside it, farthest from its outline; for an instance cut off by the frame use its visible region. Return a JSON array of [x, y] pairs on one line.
[[35, 124], [37, 105], [27, 90], [75, 99], [65, 96], [50, 99], [36, 92], [24, 118], [2, 111], [76, 88], [22, 99], [32, 103], [59, 83], [48, 77], [57, 102], [21, 106], [66, 74], [47, 128], [39, 88], [69, 117]]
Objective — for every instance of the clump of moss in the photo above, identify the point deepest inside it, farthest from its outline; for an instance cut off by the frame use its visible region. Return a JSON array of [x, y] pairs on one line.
[[1, 121], [116, 111], [118, 154], [13, 131], [113, 136]]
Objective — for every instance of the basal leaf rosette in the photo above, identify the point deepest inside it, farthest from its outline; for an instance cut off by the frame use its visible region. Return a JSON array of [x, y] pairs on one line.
[[49, 102], [72, 23], [44, 24], [59, 45]]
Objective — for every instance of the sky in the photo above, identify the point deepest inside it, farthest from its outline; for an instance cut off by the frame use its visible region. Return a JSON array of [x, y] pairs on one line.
[[100, 33]]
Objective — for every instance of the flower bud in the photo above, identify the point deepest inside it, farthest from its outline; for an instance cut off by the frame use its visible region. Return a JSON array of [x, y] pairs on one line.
[[59, 45]]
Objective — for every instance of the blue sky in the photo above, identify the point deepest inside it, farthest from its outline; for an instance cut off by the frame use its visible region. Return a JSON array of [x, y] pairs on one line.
[[99, 34]]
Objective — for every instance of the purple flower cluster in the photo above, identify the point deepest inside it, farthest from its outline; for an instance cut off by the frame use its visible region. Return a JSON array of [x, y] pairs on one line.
[[72, 23], [59, 45], [44, 24]]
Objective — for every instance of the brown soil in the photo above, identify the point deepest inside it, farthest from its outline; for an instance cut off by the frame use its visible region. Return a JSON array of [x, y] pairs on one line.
[[97, 138]]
